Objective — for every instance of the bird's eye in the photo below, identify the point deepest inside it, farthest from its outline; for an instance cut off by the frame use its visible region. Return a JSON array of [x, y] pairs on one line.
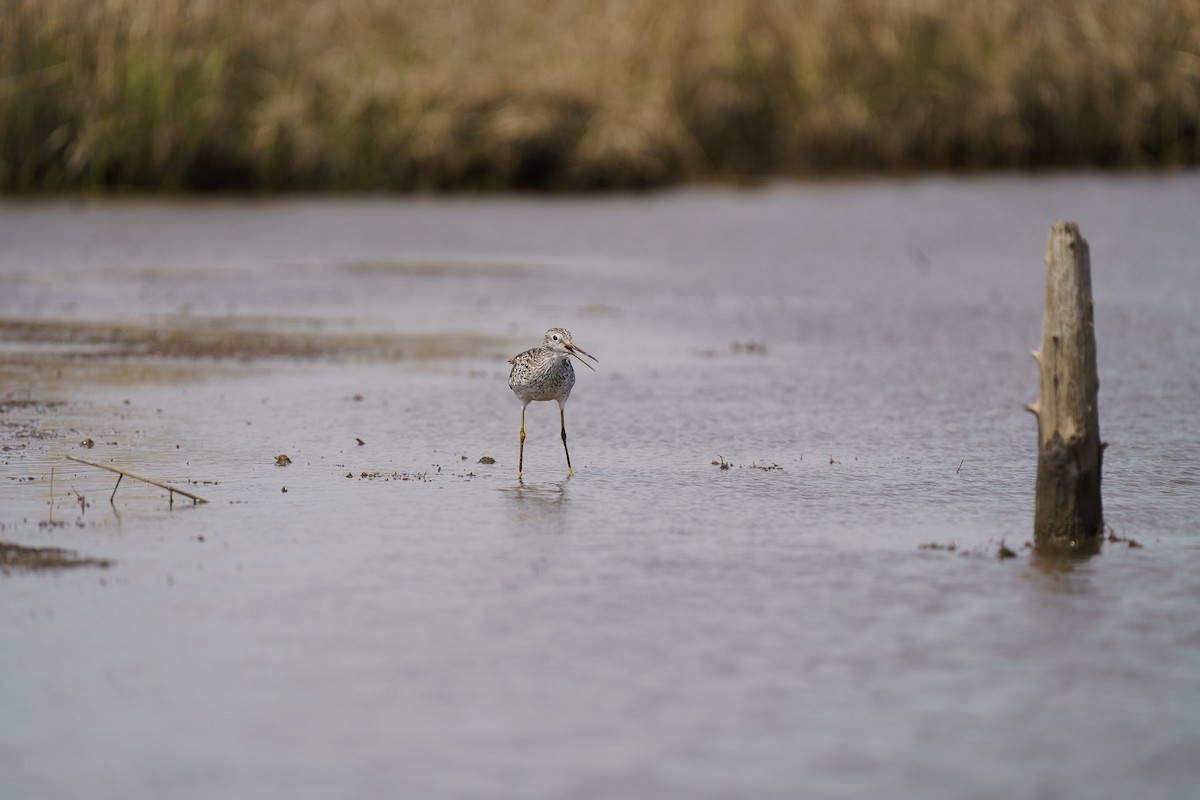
[[556, 337]]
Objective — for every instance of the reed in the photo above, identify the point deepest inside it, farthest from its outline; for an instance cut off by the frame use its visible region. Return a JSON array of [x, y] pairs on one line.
[[581, 94]]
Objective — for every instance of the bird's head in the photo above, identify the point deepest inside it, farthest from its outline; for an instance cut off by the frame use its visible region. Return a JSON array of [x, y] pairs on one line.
[[558, 340]]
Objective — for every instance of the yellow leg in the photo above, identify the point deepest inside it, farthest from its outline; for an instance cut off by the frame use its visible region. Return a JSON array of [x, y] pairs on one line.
[[521, 457], [563, 419]]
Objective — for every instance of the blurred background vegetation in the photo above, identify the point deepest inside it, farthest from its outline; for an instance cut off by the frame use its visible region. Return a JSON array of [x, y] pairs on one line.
[[582, 94]]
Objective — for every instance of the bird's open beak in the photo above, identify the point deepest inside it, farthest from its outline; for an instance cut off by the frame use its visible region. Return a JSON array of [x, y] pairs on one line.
[[577, 352]]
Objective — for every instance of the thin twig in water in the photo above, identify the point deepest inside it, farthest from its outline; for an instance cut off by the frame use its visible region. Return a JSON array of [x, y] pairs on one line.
[[959, 466], [172, 489]]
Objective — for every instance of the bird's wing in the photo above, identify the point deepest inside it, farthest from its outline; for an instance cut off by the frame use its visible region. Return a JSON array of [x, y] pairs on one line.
[[521, 355]]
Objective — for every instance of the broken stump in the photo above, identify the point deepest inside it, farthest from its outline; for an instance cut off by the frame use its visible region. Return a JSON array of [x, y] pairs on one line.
[[1067, 507]]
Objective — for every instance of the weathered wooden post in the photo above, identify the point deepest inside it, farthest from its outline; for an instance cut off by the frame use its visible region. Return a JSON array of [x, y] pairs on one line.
[[1067, 507]]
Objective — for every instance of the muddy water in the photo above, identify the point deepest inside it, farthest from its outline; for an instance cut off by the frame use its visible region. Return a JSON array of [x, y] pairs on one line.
[[404, 621]]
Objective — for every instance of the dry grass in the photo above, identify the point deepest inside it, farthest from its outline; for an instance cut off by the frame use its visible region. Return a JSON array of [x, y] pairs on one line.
[[576, 94]]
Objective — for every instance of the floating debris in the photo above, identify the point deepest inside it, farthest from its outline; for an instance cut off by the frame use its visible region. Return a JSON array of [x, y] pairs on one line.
[[1114, 537], [14, 556], [487, 460], [949, 548], [88, 443], [282, 460], [721, 463], [172, 490], [1003, 552], [360, 441], [421, 477]]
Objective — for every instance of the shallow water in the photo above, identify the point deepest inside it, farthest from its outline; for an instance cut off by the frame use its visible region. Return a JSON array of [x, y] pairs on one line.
[[404, 621]]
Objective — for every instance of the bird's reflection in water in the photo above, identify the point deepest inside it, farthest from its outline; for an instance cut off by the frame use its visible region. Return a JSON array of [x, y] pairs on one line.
[[538, 508]]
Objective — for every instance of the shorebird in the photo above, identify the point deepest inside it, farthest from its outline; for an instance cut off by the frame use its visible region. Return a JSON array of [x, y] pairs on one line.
[[545, 373]]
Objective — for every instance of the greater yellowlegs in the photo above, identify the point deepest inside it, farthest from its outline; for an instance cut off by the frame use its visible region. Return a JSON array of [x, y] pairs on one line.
[[545, 373]]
